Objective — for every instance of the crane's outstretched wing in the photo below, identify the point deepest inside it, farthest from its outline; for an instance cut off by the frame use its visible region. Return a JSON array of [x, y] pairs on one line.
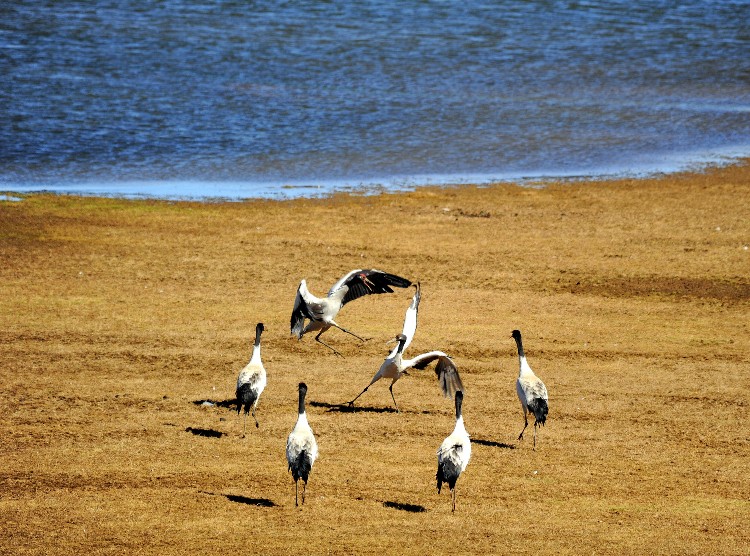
[[410, 319], [446, 371], [368, 281], [300, 312]]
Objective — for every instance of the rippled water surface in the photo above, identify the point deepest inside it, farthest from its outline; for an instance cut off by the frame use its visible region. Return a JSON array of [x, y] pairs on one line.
[[238, 99]]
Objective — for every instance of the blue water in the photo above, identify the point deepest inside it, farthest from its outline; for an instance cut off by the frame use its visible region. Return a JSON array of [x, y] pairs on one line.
[[244, 99]]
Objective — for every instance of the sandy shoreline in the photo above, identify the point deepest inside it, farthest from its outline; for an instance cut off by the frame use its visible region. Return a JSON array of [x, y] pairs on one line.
[[120, 317]]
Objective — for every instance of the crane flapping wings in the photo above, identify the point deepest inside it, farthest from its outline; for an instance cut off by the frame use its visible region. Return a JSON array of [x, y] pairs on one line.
[[369, 281], [446, 371]]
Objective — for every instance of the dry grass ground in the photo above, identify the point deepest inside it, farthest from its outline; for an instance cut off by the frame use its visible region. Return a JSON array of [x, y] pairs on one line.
[[118, 318]]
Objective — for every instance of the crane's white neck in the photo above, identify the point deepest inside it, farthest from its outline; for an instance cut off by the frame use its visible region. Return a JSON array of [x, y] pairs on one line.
[[523, 366], [460, 428], [302, 420], [256, 354], [522, 363]]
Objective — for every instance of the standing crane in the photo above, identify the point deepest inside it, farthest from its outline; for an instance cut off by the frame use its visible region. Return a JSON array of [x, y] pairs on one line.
[[321, 312], [394, 366], [531, 391], [454, 453], [301, 448], [251, 381]]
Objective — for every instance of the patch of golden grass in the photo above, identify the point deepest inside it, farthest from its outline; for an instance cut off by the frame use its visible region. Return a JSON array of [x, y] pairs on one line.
[[118, 318]]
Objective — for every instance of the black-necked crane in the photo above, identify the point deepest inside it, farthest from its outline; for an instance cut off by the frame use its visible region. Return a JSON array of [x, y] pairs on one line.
[[251, 381], [321, 312], [394, 366], [531, 391], [301, 448], [454, 453]]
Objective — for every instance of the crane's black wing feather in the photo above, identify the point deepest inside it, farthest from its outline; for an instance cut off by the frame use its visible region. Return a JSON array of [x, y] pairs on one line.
[[366, 282], [300, 312], [446, 371]]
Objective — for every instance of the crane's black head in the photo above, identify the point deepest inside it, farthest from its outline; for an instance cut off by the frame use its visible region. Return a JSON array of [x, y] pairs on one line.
[[516, 335], [259, 328], [302, 395]]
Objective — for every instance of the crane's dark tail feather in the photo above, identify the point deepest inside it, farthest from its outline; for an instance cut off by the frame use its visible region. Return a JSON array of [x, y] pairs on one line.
[[447, 472], [538, 407], [301, 466], [246, 397], [440, 477]]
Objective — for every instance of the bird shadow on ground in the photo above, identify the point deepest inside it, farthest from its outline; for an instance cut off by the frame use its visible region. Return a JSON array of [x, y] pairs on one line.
[[413, 508], [210, 433], [227, 404], [492, 443], [263, 502], [346, 408]]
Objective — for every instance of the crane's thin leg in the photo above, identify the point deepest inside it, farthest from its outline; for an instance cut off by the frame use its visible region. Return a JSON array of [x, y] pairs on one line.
[[453, 492], [525, 424], [373, 381], [393, 397], [317, 339], [358, 395], [348, 332], [296, 497], [254, 417], [304, 490], [244, 425], [535, 436]]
